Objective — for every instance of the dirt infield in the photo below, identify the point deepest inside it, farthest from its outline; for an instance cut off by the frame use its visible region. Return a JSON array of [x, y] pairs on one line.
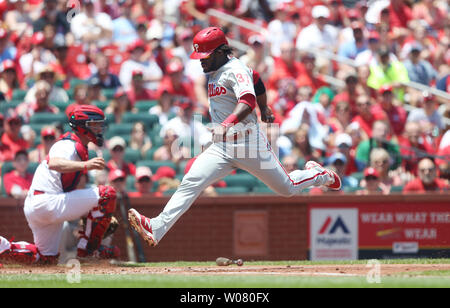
[[105, 268]]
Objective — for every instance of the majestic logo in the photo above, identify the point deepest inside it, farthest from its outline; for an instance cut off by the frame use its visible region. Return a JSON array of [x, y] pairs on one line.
[[215, 91], [338, 224]]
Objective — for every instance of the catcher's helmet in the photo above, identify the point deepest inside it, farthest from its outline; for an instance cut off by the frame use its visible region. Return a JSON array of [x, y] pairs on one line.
[[206, 41], [82, 119]]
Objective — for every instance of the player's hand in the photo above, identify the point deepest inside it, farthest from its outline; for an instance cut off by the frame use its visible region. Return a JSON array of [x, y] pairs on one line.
[[218, 133], [267, 115], [96, 163]]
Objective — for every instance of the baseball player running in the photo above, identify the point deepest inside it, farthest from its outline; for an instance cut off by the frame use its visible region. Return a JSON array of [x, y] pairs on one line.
[[54, 198], [232, 99]]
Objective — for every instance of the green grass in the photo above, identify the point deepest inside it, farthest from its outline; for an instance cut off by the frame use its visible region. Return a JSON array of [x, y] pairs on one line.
[[430, 279]]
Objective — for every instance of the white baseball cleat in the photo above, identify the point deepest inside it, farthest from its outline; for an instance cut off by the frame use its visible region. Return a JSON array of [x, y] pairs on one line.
[[335, 181], [142, 225]]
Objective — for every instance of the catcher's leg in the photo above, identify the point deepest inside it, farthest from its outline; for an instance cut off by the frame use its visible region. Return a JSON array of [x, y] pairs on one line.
[[97, 222]]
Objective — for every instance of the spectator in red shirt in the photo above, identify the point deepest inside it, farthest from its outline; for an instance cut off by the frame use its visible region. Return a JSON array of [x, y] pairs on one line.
[[48, 138], [117, 146], [138, 91], [308, 76], [11, 137], [175, 82], [285, 66], [400, 14], [364, 116], [427, 180], [385, 109], [18, 182], [8, 78], [349, 94], [165, 176], [5, 151]]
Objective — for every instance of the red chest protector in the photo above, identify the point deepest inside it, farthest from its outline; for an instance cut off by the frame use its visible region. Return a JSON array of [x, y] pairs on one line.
[[70, 180]]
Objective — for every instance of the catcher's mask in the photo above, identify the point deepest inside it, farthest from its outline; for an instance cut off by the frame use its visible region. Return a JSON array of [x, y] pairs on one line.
[[88, 120]]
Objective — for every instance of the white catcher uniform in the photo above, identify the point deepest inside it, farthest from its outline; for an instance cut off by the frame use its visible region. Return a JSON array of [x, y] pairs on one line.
[[47, 212], [246, 147]]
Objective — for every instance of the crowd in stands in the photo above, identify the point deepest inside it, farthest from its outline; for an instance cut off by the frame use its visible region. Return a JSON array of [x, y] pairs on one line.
[[131, 58]]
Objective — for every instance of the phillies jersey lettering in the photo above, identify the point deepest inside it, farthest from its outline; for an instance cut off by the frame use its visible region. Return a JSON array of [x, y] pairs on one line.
[[225, 86]]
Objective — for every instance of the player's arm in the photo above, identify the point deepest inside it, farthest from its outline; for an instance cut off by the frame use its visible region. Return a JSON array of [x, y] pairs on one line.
[[63, 165], [261, 99]]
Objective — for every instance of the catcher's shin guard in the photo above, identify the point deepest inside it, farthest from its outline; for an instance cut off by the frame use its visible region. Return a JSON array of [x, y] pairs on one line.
[[97, 221]]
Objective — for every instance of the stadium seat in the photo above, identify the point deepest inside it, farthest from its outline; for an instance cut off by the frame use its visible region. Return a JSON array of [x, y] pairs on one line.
[[263, 190], [118, 129], [155, 164], [109, 93], [5, 106], [243, 180], [48, 118], [130, 183], [144, 106], [75, 82], [101, 105], [61, 105], [132, 155], [397, 189], [358, 175], [149, 120], [19, 94], [169, 192]]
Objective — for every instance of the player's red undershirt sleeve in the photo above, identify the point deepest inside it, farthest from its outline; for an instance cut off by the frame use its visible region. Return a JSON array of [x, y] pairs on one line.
[[248, 99]]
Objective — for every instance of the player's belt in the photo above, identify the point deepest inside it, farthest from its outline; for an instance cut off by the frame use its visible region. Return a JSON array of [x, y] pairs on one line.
[[38, 192]]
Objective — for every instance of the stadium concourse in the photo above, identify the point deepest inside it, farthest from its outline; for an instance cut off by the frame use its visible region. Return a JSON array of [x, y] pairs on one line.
[[131, 59]]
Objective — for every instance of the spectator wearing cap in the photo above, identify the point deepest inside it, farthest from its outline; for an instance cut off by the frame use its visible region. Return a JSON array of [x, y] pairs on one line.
[[139, 61], [371, 182], [419, 70], [427, 115], [117, 179], [175, 82], [364, 117], [185, 125], [143, 184], [51, 15], [40, 104], [18, 182], [57, 94], [120, 105], [117, 146], [338, 162], [7, 51], [165, 177], [387, 71], [12, 137], [139, 139], [344, 145], [171, 150], [427, 181], [124, 29], [48, 138], [356, 46], [107, 80], [8, 79], [257, 58], [379, 139], [280, 29], [386, 109], [319, 34], [90, 27]]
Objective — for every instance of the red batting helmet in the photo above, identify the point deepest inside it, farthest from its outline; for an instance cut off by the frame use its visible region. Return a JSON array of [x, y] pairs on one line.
[[206, 41], [82, 117]]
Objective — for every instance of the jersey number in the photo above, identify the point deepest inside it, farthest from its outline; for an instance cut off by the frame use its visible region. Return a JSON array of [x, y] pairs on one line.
[[243, 78]]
